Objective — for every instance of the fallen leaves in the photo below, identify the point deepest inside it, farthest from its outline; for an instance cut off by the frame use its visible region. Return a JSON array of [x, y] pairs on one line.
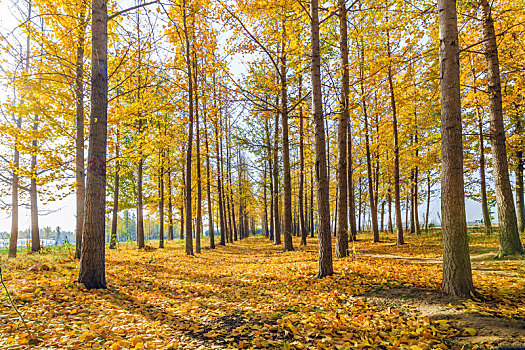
[[245, 295]]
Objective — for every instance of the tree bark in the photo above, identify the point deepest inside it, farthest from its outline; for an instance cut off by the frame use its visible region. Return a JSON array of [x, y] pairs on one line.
[[114, 219], [457, 274], [482, 180], [520, 205], [33, 193], [323, 199], [161, 200], [276, 216], [341, 247], [189, 217], [211, 230], [140, 206], [198, 151], [92, 261], [397, 195], [79, 142], [170, 205], [302, 222]]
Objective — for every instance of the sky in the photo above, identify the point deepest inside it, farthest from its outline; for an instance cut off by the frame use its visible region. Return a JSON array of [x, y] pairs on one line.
[[62, 213]]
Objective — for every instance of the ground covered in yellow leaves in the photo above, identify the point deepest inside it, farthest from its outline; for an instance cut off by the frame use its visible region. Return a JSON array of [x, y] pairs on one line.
[[251, 295]]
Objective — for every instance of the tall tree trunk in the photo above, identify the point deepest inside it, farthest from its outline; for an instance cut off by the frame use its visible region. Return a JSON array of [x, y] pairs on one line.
[[276, 216], [198, 151], [428, 201], [520, 205], [189, 217], [161, 200], [220, 189], [183, 196], [211, 230], [323, 199], [13, 240], [79, 142], [92, 271], [312, 226], [508, 226], [341, 247], [373, 208], [397, 194], [457, 274], [302, 222], [140, 205], [287, 179], [351, 195], [35, 233], [170, 205], [114, 219]]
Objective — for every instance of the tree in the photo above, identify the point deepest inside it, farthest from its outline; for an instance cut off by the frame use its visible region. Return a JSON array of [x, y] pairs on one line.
[[457, 274]]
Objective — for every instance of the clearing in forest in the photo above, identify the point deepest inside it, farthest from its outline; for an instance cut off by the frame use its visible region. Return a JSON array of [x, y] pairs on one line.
[[252, 295]]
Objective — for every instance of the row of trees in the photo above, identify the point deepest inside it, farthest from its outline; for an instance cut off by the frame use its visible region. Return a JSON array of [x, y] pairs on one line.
[[177, 127]]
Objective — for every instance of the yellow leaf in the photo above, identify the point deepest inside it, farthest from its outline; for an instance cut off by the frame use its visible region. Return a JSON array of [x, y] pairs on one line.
[[471, 331], [139, 345]]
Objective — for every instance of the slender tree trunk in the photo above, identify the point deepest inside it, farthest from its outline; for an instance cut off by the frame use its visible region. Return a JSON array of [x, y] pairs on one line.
[[351, 196], [373, 208], [114, 219], [341, 247], [276, 216], [508, 226], [211, 230], [287, 179], [397, 194], [323, 199], [520, 205], [428, 201], [92, 271], [13, 241], [161, 201], [189, 217], [140, 206], [183, 196], [79, 142], [33, 193], [457, 274], [170, 205], [302, 222], [219, 188]]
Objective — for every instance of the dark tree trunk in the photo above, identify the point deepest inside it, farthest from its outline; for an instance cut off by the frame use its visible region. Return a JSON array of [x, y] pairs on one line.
[[220, 189], [397, 194], [509, 238], [428, 201], [211, 230], [140, 207], [520, 205], [457, 274], [323, 199], [302, 221], [341, 247], [189, 217], [92, 271]]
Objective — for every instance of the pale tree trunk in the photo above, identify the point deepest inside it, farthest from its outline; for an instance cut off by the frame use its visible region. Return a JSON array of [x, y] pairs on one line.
[[509, 238], [351, 196], [323, 199], [161, 200], [520, 205], [198, 151], [189, 238], [428, 201], [92, 271], [312, 226], [276, 216], [79, 142], [114, 219], [397, 195], [341, 247], [13, 240], [35, 233], [170, 205], [457, 274]]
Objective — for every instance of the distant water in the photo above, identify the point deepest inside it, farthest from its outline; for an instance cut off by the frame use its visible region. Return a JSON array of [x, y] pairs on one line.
[[24, 243]]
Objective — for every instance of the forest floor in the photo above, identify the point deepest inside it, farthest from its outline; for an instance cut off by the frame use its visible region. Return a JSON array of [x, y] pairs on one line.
[[252, 295]]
